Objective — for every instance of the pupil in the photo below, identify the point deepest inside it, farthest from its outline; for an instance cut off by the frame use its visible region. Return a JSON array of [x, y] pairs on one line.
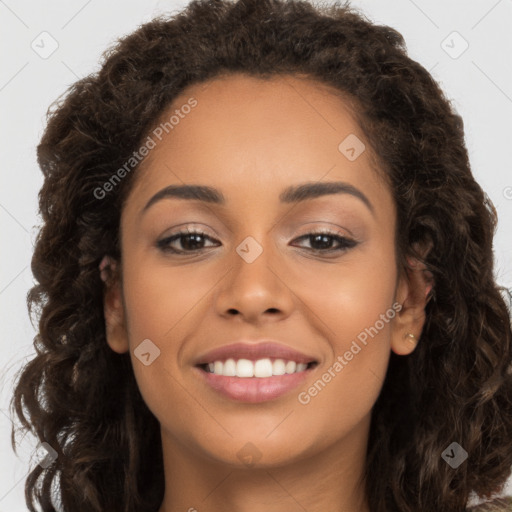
[[192, 245], [326, 239]]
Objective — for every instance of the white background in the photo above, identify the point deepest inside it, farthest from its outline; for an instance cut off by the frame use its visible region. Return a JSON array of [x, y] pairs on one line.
[[478, 82]]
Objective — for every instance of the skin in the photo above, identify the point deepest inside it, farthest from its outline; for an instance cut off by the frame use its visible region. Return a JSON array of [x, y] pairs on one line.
[[250, 139]]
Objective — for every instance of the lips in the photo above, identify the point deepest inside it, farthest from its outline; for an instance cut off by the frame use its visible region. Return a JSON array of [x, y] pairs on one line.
[[254, 351], [241, 386]]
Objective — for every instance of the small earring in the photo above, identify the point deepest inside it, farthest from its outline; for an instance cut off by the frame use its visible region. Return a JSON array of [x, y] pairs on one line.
[[105, 262], [411, 338]]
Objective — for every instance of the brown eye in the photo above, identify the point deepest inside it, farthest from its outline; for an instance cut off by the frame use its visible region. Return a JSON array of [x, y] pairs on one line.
[[322, 241], [190, 241]]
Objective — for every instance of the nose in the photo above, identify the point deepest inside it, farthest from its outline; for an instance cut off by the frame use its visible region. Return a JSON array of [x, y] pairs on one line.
[[256, 291]]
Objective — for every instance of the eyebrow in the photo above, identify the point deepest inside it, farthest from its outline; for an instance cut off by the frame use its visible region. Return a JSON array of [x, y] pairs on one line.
[[293, 194]]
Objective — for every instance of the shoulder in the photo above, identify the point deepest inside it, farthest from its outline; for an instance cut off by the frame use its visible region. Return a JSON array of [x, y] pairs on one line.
[[503, 504]]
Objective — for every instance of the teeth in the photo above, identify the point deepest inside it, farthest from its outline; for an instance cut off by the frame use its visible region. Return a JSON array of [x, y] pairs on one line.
[[217, 367], [244, 368], [229, 369], [278, 367], [290, 367], [260, 368]]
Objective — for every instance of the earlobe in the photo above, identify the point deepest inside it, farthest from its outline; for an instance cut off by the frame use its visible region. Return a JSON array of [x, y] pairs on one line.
[[413, 291], [115, 328]]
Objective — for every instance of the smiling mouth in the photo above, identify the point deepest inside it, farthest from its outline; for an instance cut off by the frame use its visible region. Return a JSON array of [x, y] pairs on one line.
[[260, 368]]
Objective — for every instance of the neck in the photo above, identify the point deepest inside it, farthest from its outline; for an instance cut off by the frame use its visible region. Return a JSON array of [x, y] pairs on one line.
[[329, 480]]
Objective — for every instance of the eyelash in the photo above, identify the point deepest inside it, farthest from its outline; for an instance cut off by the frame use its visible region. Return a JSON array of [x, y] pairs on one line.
[[345, 243]]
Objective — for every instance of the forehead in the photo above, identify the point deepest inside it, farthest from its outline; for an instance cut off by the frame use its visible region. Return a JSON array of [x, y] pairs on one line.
[[253, 137]]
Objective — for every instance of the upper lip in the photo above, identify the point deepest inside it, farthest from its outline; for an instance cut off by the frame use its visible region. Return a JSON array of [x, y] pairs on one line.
[[254, 350]]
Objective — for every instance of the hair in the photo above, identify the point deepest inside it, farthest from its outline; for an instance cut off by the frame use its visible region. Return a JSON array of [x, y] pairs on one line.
[[82, 398]]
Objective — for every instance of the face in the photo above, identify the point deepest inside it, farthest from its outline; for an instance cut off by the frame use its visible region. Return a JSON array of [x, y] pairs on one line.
[[259, 258]]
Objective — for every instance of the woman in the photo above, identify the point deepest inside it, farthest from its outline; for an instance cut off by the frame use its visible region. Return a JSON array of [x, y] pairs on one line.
[[265, 278]]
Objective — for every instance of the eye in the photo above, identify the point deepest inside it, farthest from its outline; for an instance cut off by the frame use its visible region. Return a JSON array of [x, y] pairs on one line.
[[323, 241], [190, 241]]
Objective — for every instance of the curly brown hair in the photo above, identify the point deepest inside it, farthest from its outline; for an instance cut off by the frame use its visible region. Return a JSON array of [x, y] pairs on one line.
[[81, 397]]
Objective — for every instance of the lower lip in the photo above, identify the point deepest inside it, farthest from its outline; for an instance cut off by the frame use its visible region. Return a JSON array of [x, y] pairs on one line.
[[254, 389]]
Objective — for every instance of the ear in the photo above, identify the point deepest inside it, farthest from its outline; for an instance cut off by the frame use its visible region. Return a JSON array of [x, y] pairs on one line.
[[115, 326], [412, 293]]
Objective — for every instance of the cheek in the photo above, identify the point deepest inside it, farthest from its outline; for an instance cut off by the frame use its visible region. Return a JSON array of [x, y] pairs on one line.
[[161, 300], [350, 295], [163, 304], [353, 309]]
